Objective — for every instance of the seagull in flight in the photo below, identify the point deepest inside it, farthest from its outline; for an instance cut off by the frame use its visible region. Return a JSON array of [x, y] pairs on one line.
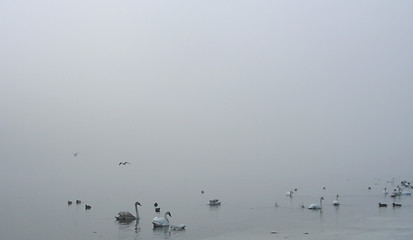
[[75, 154], [124, 163]]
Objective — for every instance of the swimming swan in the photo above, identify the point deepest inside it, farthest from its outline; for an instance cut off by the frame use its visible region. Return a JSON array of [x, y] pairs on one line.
[[161, 222], [336, 202], [316, 206], [289, 194], [127, 216]]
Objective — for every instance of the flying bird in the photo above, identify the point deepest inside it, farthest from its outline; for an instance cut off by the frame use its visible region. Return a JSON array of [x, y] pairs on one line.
[[75, 154], [124, 163]]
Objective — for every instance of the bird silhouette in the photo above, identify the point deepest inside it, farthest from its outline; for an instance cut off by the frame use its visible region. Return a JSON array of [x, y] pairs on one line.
[[157, 209], [75, 154], [124, 163]]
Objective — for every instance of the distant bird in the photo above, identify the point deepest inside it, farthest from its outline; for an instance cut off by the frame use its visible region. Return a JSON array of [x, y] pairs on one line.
[[324, 188], [289, 194], [161, 222], [316, 206], [127, 216], [397, 205], [87, 207], [69, 202], [382, 205], [124, 163], [157, 209], [78, 202], [385, 191], [336, 202], [202, 191], [75, 154], [369, 188]]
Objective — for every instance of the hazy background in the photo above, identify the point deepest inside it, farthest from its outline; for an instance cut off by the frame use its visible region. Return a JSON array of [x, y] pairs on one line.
[[211, 95]]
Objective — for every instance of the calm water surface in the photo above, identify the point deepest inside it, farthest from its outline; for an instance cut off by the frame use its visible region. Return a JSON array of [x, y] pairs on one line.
[[245, 213]]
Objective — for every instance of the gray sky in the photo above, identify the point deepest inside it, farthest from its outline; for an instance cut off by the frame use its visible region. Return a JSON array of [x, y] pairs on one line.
[[252, 90]]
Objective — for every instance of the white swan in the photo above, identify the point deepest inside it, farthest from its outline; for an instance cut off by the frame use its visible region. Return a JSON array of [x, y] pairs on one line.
[[127, 216], [336, 202], [316, 206], [289, 194], [161, 222]]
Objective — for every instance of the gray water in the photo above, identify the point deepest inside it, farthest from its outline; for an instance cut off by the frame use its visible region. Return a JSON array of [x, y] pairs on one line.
[[38, 209]]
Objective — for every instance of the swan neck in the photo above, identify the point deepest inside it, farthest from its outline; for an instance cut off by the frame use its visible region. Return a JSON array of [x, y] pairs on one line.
[[166, 217], [136, 209]]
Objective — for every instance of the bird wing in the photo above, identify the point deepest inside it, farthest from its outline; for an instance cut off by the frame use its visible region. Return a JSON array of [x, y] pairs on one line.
[[125, 215], [160, 221]]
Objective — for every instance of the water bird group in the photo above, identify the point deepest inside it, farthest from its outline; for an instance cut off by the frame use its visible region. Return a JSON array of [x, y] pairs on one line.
[[157, 209], [87, 207], [159, 222]]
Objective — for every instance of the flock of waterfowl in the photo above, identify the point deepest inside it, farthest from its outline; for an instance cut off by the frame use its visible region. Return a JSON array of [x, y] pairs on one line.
[[158, 222], [87, 207], [397, 192], [163, 222]]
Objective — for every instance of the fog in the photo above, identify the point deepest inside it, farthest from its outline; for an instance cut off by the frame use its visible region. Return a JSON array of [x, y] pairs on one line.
[[203, 94]]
